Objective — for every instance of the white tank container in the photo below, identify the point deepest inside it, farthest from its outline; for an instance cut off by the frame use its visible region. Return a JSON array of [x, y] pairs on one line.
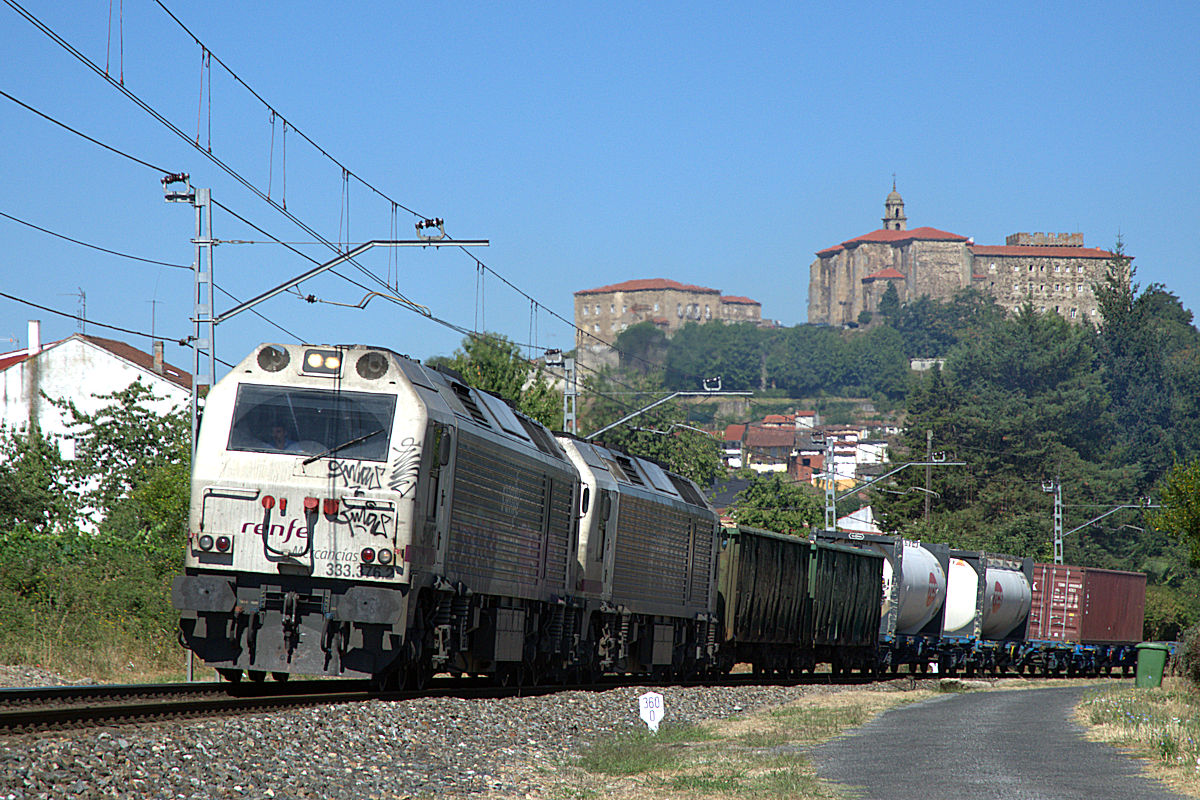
[[1007, 598], [962, 590], [921, 590]]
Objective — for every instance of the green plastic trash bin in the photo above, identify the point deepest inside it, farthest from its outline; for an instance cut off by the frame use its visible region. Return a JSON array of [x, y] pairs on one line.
[[1151, 658]]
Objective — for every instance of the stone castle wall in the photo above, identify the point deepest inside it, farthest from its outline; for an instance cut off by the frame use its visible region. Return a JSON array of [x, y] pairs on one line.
[[1062, 285]]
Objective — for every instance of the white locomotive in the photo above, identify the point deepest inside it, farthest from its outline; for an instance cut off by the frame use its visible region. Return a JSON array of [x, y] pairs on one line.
[[355, 513]]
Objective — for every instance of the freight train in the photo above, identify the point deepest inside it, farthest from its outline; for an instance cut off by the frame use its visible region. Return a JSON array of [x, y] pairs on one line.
[[356, 513]]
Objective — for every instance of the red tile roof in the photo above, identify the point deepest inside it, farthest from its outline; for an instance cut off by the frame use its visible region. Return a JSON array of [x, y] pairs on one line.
[[142, 359], [746, 301], [1003, 250], [734, 433], [884, 274], [924, 234], [770, 437], [14, 358], [647, 284], [130, 353]]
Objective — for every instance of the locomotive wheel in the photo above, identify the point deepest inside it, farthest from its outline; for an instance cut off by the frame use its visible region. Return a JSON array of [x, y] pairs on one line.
[[417, 676], [280, 677], [231, 675], [256, 675]]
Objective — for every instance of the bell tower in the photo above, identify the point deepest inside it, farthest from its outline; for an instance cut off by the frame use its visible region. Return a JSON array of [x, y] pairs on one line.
[[893, 211]]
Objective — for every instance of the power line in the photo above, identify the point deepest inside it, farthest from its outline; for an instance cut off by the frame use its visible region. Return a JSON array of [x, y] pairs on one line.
[[67, 127], [144, 260], [207, 153], [346, 170], [47, 309], [93, 246]]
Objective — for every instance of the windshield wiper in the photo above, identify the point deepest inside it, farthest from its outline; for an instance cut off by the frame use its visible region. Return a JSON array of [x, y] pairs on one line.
[[342, 446]]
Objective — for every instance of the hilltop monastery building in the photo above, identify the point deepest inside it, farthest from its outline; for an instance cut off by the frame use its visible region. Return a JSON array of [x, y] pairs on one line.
[[1053, 270], [602, 313]]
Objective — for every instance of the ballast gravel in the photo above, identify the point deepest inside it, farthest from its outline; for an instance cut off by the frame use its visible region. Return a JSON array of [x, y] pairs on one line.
[[383, 750]]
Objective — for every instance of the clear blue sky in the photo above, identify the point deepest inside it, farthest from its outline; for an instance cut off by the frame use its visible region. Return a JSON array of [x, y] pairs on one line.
[[716, 144]]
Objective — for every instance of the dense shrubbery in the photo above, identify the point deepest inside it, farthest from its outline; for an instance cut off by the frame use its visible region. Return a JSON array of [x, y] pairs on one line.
[[82, 597], [85, 604]]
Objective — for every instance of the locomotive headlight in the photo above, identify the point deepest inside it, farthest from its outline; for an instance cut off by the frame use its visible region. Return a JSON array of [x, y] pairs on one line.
[[368, 555], [384, 556], [322, 362], [205, 541], [224, 543]]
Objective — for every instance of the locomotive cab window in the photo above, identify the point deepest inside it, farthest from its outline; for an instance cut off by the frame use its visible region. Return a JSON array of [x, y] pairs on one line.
[[312, 422]]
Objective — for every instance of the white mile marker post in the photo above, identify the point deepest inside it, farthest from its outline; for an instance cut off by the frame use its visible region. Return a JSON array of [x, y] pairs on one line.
[[652, 710]]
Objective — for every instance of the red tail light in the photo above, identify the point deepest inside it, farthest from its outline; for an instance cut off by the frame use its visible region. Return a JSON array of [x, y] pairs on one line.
[[368, 555]]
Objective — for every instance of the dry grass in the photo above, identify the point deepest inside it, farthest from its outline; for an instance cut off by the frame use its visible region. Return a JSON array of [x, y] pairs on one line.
[[1161, 725], [761, 755]]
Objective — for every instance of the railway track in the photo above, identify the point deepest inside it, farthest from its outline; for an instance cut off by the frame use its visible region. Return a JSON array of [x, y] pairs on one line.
[[29, 710], [70, 707]]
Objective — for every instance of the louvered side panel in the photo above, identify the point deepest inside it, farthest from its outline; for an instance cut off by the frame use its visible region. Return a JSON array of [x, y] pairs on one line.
[[702, 564], [497, 522], [558, 538], [651, 557]]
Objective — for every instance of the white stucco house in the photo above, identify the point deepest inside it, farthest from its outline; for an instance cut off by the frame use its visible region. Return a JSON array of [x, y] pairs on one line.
[[78, 369]]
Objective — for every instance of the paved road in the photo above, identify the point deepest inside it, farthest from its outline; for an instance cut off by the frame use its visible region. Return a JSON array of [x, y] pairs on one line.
[[1006, 745]]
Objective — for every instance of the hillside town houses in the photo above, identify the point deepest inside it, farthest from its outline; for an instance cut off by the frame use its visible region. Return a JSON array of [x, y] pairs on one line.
[[796, 444]]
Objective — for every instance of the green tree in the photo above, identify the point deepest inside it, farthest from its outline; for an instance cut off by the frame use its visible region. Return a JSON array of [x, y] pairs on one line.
[[1179, 495], [119, 447], [1151, 358], [1022, 402], [493, 363], [736, 353], [775, 502], [663, 433], [33, 489], [642, 347], [931, 328], [889, 303]]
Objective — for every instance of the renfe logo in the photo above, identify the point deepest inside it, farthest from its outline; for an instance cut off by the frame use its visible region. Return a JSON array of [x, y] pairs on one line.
[[296, 528]]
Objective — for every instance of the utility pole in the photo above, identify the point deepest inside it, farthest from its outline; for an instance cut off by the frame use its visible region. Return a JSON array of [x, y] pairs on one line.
[[554, 358], [202, 305], [203, 324], [1055, 486], [831, 496], [830, 487], [928, 470]]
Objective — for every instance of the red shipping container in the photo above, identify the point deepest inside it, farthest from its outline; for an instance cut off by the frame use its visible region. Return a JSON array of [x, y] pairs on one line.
[[1086, 605]]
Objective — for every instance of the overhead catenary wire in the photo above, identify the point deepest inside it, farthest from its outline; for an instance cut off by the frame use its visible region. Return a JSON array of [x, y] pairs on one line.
[[246, 183], [132, 257], [82, 135], [347, 173]]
